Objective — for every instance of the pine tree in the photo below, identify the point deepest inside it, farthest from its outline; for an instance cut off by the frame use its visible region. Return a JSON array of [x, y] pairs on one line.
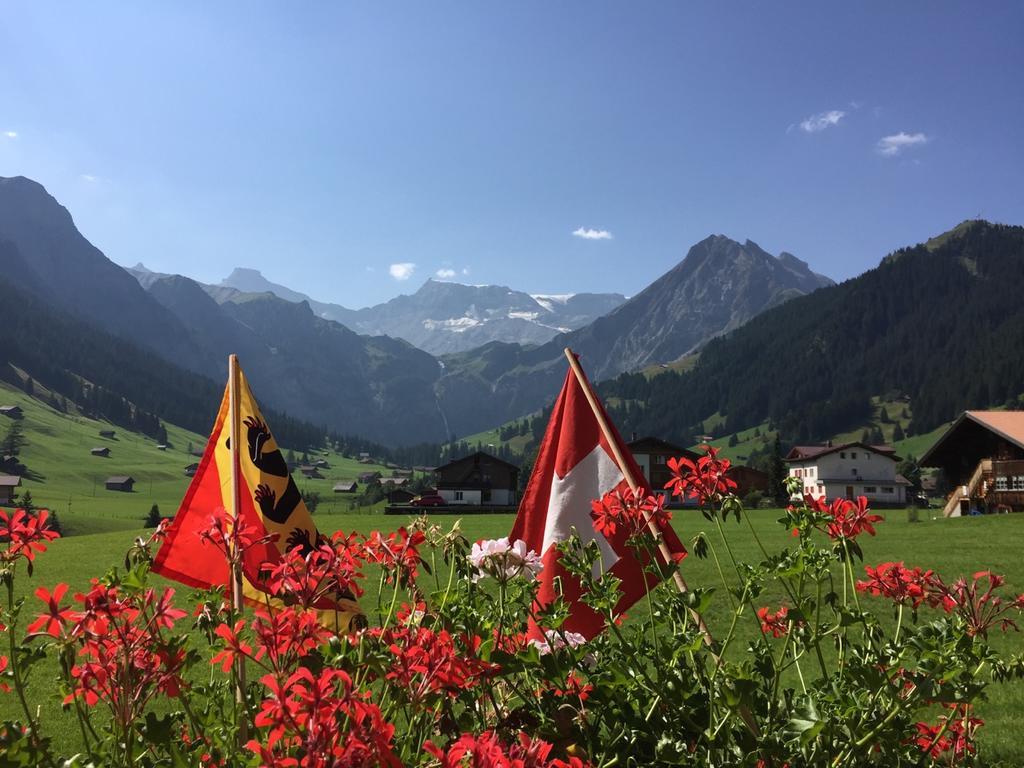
[[883, 416], [777, 474], [733, 440], [897, 433], [153, 518], [14, 440], [27, 502]]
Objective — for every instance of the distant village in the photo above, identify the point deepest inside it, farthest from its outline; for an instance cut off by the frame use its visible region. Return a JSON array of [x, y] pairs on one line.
[[975, 467]]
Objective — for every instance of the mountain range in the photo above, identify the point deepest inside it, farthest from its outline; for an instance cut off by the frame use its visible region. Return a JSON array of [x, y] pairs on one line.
[[444, 316], [309, 359]]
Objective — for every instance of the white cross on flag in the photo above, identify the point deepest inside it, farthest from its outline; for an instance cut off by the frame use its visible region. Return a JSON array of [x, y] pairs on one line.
[[576, 465]]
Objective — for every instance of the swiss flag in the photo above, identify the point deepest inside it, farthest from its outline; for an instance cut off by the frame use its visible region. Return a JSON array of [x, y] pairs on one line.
[[576, 465]]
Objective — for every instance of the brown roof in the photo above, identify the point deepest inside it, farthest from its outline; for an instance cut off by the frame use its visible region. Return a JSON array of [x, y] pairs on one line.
[[1007, 424], [807, 452], [120, 479], [10, 481], [476, 456]]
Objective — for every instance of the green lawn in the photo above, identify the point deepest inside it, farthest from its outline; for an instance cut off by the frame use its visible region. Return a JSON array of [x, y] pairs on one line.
[[952, 547]]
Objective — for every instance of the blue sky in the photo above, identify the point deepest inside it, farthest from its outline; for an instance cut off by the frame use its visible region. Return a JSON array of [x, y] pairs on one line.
[[329, 144]]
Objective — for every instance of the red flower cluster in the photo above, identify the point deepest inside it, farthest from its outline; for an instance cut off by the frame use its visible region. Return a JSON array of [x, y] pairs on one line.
[[976, 602], [125, 660], [397, 554], [486, 751], [426, 662], [25, 534], [625, 509], [952, 735], [303, 714], [842, 518], [704, 479], [906, 586], [318, 577], [775, 623]]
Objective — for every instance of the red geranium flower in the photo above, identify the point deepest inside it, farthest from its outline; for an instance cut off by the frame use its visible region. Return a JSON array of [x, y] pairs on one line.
[[54, 620], [776, 623]]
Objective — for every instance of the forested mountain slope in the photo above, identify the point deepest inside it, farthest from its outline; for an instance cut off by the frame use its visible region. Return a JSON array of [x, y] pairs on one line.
[[942, 322]]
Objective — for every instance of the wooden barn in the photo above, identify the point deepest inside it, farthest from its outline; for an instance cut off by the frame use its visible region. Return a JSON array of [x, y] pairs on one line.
[[122, 483], [107, 433], [981, 457], [104, 452], [8, 484], [11, 411], [346, 486]]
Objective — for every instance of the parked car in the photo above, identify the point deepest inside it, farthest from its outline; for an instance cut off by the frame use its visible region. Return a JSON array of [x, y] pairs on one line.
[[428, 500]]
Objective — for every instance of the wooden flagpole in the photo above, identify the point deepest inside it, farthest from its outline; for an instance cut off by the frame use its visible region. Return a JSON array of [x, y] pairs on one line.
[[634, 486], [236, 560]]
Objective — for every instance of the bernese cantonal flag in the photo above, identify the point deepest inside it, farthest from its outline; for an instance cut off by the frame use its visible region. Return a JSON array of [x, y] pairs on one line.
[[576, 465]]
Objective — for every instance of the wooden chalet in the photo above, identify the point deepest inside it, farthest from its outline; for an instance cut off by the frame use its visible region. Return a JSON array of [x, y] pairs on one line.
[[368, 477], [122, 483], [310, 471], [982, 457], [478, 480], [104, 452], [346, 486], [748, 479], [108, 433], [191, 469], [12, 411], [8, 483], [652, 454]]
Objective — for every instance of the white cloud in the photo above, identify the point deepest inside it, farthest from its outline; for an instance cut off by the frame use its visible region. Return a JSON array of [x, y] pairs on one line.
[[11, 134], [402, 271], [822, 120], [89, 178], [890, 146], [465, 270], [445, 274], [592, 234]]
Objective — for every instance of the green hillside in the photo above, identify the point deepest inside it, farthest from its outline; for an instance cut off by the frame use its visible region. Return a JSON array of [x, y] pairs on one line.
[[64, 477]]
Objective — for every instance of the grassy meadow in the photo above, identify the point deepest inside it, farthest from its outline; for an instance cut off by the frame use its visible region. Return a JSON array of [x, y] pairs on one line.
[[65, 478], [952, 547]]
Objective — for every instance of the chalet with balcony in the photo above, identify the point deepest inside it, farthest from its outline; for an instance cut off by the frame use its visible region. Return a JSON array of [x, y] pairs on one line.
[[478, 480], [11, 411], [849, 470], [982, 458]]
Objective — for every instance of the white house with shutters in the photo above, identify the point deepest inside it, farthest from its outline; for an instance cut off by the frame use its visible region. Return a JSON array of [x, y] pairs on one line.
[[848, 471]]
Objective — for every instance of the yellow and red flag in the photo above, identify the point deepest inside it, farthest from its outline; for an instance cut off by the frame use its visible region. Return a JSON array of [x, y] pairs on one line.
[[269, 502]]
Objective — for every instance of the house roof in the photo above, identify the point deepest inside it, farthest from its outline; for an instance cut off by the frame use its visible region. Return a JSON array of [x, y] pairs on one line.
[[10, 481], [8, 408], [346, 485], [474, 457], [657, 445], [1008, 425], [120, 479], [808, 452]]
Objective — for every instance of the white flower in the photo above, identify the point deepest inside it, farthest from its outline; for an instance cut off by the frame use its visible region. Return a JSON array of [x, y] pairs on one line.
[[554, 641], [504, 560]]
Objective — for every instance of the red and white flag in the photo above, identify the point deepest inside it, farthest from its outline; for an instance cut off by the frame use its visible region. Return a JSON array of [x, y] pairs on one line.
[[575, 466]]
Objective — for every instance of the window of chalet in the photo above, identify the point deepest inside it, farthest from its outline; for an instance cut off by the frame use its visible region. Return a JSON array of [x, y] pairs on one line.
[[870, 489], [842, 454], [1001, 484], [1018, 482], [458, 496], [853, 454], [854, 470], [887, 489]]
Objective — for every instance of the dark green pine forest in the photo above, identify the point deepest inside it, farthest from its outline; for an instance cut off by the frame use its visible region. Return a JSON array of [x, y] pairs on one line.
[[941, 322]]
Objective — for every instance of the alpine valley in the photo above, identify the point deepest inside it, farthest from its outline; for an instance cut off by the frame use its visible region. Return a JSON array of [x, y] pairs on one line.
[[452, 359]]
